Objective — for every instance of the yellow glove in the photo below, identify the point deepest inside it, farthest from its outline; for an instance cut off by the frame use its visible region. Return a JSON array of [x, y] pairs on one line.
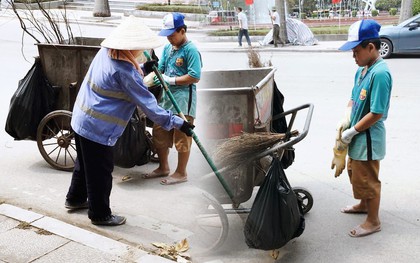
[[339, 161], [344, 123], [340, 153]]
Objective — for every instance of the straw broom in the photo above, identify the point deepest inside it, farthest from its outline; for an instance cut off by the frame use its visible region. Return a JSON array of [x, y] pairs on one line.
[[239, 149]]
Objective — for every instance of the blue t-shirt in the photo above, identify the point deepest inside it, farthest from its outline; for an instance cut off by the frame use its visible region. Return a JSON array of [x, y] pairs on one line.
[[178, 62], [371, 93]]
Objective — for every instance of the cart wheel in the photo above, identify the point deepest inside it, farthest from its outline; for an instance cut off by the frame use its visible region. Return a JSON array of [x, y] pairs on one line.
[[55, 140], [212, 226], [304, 198]]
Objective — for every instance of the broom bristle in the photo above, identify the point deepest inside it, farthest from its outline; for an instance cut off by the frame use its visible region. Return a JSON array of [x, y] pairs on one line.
[[236, 150]]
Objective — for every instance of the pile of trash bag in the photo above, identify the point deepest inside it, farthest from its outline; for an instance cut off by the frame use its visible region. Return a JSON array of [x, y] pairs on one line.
[[298, 34]]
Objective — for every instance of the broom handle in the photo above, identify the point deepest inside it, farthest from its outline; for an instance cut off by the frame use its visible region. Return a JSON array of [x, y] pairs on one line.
[[197, 141]]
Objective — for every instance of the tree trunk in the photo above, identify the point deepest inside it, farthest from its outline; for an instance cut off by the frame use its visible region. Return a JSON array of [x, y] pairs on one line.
[[280, 4], [406, 10], [101, 8]]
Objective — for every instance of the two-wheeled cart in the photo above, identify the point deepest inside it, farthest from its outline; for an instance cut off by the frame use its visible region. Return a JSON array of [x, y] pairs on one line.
[[65, 66], [233, 101]]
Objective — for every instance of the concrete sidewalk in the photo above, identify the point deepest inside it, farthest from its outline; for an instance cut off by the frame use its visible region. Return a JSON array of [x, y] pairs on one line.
[[26, 236]]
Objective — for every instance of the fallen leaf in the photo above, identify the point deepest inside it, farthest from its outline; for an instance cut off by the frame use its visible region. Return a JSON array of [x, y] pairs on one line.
[[126, 178], [182, 246], [274, 253]]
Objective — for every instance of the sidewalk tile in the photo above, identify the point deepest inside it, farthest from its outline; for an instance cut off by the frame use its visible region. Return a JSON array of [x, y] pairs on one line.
[[27, 244]]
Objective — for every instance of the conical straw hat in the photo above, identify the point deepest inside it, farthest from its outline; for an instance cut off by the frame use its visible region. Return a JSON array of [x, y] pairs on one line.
[[132, 34]]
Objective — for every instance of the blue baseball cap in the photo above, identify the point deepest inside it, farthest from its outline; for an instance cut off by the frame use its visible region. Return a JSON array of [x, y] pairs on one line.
[[359, 31], [170, 23]]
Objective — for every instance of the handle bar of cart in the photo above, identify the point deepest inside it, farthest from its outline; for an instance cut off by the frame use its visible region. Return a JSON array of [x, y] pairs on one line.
[[284, 144]]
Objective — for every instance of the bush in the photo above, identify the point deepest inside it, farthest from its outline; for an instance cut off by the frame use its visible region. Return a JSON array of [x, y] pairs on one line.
[[31, 1], [393, 11], [416, 7], [354, 13], [375, 12], [234, 32], [194, 9]]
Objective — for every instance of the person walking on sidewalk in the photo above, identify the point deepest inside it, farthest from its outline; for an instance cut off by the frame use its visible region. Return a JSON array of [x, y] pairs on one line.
[[111, 91], [243, 27], [365, 137], [181, 67], [275, 17]]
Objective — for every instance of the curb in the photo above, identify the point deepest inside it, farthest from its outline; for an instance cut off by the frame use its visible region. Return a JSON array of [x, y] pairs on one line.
[[79, 235]]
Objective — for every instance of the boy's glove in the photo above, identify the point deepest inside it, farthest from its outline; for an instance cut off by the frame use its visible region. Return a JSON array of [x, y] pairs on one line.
[[340, 153], [169, 80], [148, 66], [348, 135], [339, 161], [187, 128]]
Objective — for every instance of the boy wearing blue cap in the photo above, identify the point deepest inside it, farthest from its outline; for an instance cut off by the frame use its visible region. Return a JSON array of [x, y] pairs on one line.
[[364, 132], [181, 67]]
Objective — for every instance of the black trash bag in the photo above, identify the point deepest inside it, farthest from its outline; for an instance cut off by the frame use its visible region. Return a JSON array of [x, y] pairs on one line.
[[157, 91], [276, 216], [33, 99], [134, 145], [279, 125]]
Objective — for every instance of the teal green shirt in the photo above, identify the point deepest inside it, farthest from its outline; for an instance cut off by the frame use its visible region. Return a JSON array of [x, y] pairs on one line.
[[371, 93], [185, 60]]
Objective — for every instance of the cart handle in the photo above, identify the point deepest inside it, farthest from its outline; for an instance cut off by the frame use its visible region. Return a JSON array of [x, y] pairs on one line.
[[293, 140]]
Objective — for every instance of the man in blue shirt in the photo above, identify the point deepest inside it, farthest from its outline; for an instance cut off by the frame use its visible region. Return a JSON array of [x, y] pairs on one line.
[[365, 138]]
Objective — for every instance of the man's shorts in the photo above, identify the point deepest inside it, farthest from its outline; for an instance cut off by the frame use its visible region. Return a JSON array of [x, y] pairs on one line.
[[163, 139], [364, 177]]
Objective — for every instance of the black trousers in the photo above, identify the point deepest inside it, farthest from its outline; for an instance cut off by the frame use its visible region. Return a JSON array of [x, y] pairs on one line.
[[92, 177]]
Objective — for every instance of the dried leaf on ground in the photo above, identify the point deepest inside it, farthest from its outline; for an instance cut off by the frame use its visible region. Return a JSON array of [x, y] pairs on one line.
[[175, 252], [182, 246], [274, 253], [126, 178]]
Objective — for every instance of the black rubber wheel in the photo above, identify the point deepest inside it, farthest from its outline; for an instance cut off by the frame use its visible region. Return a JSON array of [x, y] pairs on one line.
[[55, 140], [304, 198], [386, 48]]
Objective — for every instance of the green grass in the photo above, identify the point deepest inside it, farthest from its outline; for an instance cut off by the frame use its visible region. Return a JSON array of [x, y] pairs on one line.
[[180, 8], [330, 30]]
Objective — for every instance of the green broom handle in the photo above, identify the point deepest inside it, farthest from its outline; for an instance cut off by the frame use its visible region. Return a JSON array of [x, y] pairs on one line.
[[197, 141]]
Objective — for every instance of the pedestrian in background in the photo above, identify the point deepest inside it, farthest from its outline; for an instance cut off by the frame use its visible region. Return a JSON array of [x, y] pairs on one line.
[[243, 27], [275, 17], [365, 137], [181, 67], [111, 91]]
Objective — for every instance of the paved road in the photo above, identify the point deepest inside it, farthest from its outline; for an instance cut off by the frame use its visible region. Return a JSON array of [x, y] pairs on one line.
[[168, 214]]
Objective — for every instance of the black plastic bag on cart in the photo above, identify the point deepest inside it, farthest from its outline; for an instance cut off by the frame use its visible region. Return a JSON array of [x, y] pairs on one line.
[[279, 125], [33, 99], [134, 145], [276, 216]]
